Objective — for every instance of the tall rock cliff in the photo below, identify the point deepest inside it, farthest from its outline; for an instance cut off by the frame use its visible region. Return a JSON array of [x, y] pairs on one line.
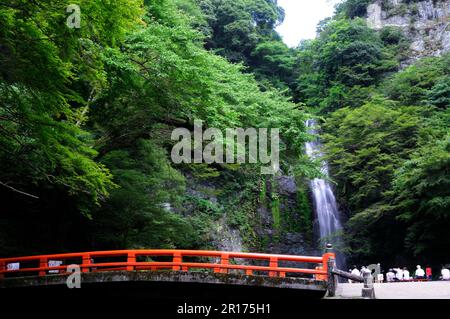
[[425, 23]]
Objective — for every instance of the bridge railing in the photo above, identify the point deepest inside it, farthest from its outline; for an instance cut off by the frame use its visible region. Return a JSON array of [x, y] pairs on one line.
[[174, 260]]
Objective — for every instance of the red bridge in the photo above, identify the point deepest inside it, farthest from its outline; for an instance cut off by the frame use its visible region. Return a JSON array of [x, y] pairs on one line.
[[163, 270]]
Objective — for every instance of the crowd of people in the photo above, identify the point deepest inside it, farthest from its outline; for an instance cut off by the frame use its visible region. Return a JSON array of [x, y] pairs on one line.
[[402, 274]]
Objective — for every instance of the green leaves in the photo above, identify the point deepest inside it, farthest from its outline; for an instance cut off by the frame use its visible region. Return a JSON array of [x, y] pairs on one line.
[[390, 163], [382, 131], [275, 63], [238, 26], [352, 8], [365, 147], [243, 32], [422, 189], [46, 70], [162, 78], [342, 65], [48, 148], [421, 83], [439, 95]]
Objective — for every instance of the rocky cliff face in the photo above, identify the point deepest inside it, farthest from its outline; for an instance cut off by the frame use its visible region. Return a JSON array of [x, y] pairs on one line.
[[425, 23], [236, 215], [284, 238]]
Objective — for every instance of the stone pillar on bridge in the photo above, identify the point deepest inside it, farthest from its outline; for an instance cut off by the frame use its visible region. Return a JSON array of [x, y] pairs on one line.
[[368, 290], [332, 279]]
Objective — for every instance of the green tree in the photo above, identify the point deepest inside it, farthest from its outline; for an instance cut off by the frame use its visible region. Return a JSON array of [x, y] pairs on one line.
[[49, 75], [352, 8], [346, 58], [422, 198], [425, 79]]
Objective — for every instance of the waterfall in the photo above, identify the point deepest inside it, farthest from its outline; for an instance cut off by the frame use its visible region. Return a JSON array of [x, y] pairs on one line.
[[325, 204]]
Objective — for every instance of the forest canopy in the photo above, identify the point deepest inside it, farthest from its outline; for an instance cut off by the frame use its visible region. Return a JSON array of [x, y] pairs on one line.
[[86, 115]]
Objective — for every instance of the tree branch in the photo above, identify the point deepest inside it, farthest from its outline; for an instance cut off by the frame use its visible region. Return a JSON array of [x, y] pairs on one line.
[[18, 191]]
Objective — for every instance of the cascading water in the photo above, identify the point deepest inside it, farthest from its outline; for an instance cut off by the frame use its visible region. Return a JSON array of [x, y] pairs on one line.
[[325, 204]]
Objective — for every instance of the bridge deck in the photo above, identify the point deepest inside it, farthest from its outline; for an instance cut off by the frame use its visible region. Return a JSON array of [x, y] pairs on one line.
[[164, 285], [169, 276]]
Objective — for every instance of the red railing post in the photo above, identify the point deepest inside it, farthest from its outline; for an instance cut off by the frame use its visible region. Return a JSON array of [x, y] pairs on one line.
[[224, 261], [177, 258], [249, 272], [273, 263], [2, 268], [42, 264], [131, 258], [86, 262], [324, 266], [325, 258]]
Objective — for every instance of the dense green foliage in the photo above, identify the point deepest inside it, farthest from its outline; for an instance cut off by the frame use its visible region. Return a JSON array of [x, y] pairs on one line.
[[243, 32], [340, 67], [391, 163], [86, 116], [387, 135], [352, 8]]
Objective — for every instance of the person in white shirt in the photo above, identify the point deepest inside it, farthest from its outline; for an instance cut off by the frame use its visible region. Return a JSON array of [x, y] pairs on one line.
[[390, 275], [420, 273], [398, 274], [445, 273], [356, 272], [406, 276]]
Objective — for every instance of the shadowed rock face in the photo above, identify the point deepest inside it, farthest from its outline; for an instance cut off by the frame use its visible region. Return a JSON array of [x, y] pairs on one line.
[[287, 185], [284, 241], [426, 23]]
